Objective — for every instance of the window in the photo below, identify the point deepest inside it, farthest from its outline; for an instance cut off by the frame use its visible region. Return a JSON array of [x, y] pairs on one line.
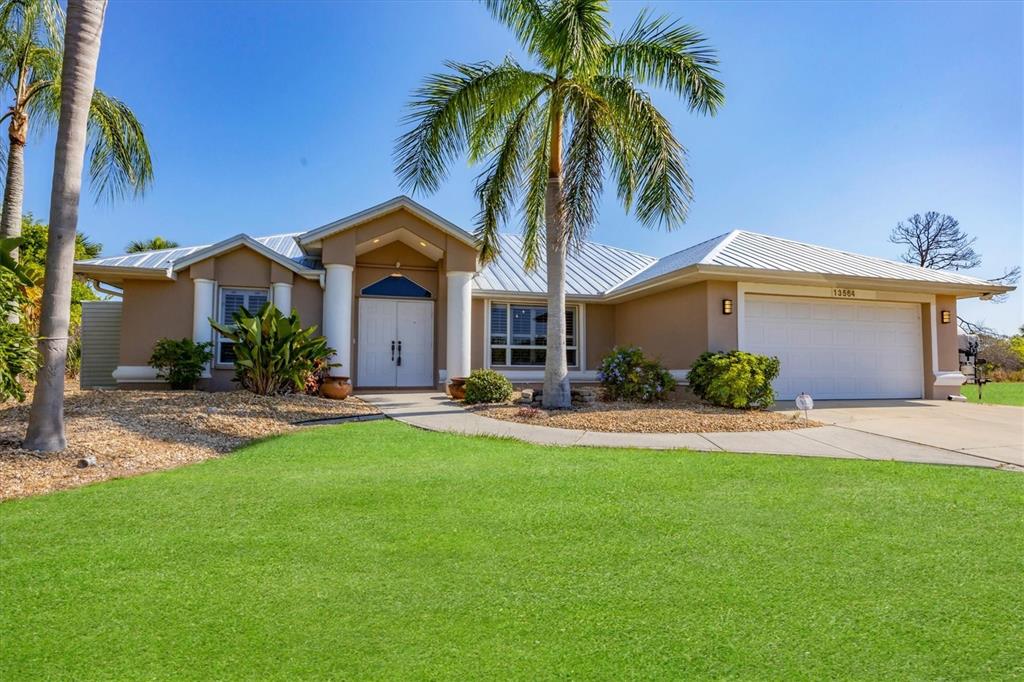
[[519, 335], [231, 300], [396, 286]]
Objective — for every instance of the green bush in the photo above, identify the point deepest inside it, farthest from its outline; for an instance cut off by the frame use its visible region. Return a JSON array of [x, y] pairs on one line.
[[19, 357], [734, 379], [181, 362], [487, 386], [273, 353], [626, 374]]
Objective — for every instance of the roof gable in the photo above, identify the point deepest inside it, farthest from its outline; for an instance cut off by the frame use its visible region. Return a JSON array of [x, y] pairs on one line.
[[389, 206]]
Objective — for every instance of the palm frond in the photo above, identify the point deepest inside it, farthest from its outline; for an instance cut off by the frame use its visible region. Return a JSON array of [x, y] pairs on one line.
[[663, 53], [119, 163], [647, 158], [584, 161], [502, 106], [442, 118], [578, 35], [525, 18], [535, 190], [497, 185]]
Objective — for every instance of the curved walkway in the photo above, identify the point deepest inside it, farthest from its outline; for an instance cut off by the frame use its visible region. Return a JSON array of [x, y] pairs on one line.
[[435, 412]]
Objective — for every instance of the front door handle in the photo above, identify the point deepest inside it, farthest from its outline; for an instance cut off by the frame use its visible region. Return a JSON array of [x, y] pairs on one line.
[[399, 353], [392, 351]]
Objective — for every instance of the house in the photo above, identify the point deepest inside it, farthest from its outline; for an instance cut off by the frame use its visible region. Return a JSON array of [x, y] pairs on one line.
[[399, 292]]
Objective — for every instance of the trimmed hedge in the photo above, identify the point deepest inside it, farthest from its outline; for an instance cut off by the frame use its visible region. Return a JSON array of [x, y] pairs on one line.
[[734, 379], [487, 386]]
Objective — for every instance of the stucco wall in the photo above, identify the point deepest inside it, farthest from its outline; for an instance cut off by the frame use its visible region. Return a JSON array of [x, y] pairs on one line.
[[152, 310], [242, 267], [671, 326], [600, 333], [723, 330], [949, 355]]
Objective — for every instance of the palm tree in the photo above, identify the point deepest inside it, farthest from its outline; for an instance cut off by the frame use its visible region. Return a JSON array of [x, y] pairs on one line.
[[548, 132], [78, 79], [31, 56], [155, 244]]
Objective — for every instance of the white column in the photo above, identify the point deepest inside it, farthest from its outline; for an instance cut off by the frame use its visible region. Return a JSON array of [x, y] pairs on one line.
[[460, 323], [338, 315], [283, 297], [202, 310]]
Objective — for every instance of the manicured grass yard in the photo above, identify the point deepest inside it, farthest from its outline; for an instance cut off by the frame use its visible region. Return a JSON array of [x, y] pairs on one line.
[[375, 550], [1002, 393]]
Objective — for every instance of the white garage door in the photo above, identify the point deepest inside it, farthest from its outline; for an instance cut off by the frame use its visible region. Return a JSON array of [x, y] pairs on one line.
[[838, 349]]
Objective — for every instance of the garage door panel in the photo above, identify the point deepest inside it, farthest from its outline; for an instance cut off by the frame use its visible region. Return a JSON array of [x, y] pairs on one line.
[[838, 349]]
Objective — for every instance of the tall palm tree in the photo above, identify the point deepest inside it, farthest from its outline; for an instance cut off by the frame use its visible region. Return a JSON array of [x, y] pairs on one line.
[[548, 132], [31, 55], [155, 244], [78, 78]]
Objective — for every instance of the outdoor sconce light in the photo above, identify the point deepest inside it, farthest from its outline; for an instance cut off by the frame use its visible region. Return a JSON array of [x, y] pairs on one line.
[[947, 317], [727, 306]]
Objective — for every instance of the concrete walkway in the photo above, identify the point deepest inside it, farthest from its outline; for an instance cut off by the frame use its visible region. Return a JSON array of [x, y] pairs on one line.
[[435, 412]]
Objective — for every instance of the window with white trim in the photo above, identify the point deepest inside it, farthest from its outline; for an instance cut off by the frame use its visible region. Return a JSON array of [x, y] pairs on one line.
[[230, 302], [519, 335]]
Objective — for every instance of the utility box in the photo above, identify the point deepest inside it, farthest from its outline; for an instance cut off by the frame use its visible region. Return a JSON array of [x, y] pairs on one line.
[[101, 343]]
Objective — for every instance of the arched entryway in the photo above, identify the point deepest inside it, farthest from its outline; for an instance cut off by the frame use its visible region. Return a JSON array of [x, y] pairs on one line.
[[396, 334]]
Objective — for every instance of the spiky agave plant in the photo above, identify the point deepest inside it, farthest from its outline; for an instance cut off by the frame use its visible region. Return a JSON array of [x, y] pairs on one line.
[[547, 134]]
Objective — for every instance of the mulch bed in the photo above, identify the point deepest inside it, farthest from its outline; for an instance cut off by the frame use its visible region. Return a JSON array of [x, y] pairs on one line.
[[678, 415], [132, 432]]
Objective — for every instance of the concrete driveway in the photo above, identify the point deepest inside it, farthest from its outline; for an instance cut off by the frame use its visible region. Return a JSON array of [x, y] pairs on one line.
[[994, 432]]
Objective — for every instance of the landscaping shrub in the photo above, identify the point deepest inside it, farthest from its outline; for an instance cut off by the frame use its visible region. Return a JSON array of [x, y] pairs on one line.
[[626, 374], [273, 353], [317, 376], [734, 379], [487, 386], [180, 362], [19, 358]]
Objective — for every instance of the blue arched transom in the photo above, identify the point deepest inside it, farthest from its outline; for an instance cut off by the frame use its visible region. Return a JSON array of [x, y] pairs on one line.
[[396, 286]]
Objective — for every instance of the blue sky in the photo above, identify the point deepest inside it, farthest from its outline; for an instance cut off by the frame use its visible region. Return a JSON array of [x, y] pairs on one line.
[[840, 120]]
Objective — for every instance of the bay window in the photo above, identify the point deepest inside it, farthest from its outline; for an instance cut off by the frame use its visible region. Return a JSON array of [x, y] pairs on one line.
[[518, 335], [230, 301]]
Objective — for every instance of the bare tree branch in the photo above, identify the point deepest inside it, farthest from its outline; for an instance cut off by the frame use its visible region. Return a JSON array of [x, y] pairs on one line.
[[935, 241]]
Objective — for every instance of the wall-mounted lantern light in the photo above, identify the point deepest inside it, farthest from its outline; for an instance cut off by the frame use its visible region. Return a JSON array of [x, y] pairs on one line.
[[727, 306], [947, 317]]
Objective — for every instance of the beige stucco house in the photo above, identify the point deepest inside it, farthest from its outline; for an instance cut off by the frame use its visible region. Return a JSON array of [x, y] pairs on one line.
[[399, 292]]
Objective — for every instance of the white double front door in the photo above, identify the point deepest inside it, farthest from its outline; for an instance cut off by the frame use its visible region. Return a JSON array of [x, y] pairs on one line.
[[396, 343]]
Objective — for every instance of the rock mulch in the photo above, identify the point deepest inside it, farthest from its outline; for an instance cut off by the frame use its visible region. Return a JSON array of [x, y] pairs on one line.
[[125, 433], [678, 415]]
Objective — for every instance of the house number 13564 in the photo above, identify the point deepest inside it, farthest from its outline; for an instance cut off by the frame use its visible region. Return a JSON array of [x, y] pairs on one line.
[[844, 293]]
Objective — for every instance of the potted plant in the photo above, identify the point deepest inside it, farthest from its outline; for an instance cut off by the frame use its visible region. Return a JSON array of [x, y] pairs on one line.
[[457, 388], [336, 388]]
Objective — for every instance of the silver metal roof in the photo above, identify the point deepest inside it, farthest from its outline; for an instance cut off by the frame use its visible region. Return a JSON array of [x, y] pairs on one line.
[[283, 244], [597, 269], [742, 249], [591, 270]]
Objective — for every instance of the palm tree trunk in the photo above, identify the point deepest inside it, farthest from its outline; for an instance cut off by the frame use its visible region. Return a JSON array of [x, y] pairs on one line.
[[557, 392], [82, 35], [14, 189]]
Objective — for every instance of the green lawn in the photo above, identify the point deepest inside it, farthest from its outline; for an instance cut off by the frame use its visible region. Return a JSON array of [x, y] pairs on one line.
[[1002, 393], [376, 550]]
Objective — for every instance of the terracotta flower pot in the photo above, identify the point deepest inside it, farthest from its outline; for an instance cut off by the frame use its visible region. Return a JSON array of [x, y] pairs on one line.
[[457, 388], [336, 388]]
